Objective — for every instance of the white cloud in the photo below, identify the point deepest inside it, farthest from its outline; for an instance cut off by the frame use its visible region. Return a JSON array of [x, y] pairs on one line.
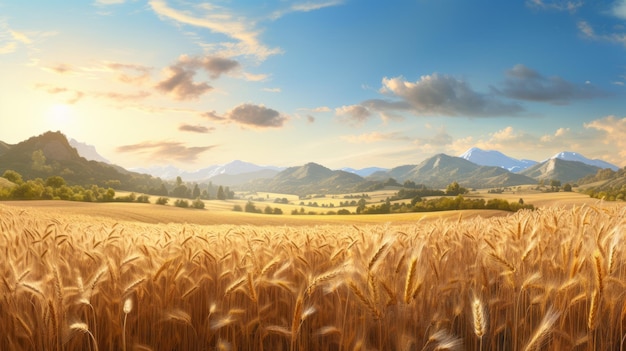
[[613, 130]]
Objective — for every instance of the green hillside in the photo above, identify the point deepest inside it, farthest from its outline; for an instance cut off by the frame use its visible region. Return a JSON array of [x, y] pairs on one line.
[[50, 154]]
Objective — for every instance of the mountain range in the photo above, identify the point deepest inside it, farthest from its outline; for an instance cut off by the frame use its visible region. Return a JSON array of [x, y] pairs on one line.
[[476, 168]]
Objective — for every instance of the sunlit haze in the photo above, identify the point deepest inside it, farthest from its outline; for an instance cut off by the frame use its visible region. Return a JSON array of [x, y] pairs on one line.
[[343, 83]]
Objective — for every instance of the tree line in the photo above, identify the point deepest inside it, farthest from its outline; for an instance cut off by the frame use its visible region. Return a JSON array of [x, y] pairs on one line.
[[56, 188]]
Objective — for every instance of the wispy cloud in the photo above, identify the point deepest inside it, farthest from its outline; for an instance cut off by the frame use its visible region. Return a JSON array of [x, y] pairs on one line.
[[21, 37], [304, 7], [69, 96], [179, 77], [108, 2], [219, 20], [61, 68], [121, 97], [9, 38], [195, 129], [272, 90], [439, 139], [165, 150], [372, 137], [523, 83], [445, 96], [557, 5], [612, 37], [7, 48], [130, 73]]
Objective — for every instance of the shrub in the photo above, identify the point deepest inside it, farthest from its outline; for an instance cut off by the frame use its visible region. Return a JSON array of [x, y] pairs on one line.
[[143, 199], [197, 203], [181, 203], [162, 201]]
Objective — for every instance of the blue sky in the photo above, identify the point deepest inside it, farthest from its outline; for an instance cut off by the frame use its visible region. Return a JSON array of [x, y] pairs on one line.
[[344, 83]]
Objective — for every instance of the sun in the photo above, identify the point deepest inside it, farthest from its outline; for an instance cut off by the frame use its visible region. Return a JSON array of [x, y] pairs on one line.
[[60, 115]]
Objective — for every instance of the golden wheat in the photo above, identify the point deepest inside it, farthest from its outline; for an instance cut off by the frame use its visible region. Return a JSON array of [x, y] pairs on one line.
[[550, 279]]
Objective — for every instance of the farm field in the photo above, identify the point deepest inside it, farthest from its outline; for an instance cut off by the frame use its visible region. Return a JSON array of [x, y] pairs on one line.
[[221, 212], [81, 278]]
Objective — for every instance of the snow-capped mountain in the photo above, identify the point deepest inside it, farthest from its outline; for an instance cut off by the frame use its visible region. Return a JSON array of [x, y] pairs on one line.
[[574, 156], [231, 168], [87, 151], [495, 158]]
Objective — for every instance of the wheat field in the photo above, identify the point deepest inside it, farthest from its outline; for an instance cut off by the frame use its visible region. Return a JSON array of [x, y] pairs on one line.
[[550, 279]]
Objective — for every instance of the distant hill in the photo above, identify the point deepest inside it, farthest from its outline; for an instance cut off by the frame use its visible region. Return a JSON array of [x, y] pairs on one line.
[[4, 147], [311, 178], [87, 151], [60, 158], [559, 169], [364, 172], [496, 158], [574, 156], [242, 178], [441, 170], [239, 170]]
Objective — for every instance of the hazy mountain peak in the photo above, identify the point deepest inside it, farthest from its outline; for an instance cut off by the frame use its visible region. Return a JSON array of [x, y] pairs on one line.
[[87, 151], [574, 156]]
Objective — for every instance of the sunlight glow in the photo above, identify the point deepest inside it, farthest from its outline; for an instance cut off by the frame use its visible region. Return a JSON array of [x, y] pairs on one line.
[[60, 115]]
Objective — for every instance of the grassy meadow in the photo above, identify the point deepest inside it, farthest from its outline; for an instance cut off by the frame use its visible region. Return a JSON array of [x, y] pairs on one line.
[[549, 279]]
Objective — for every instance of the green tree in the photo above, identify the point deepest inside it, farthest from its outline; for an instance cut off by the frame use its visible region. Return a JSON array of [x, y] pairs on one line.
[[455, 189], [163, 190], [55, 182], [13, 176], [220, 193], [39, 161], [567, 187], [180, 191], [196, 191], [361, 205], [250, 207]]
